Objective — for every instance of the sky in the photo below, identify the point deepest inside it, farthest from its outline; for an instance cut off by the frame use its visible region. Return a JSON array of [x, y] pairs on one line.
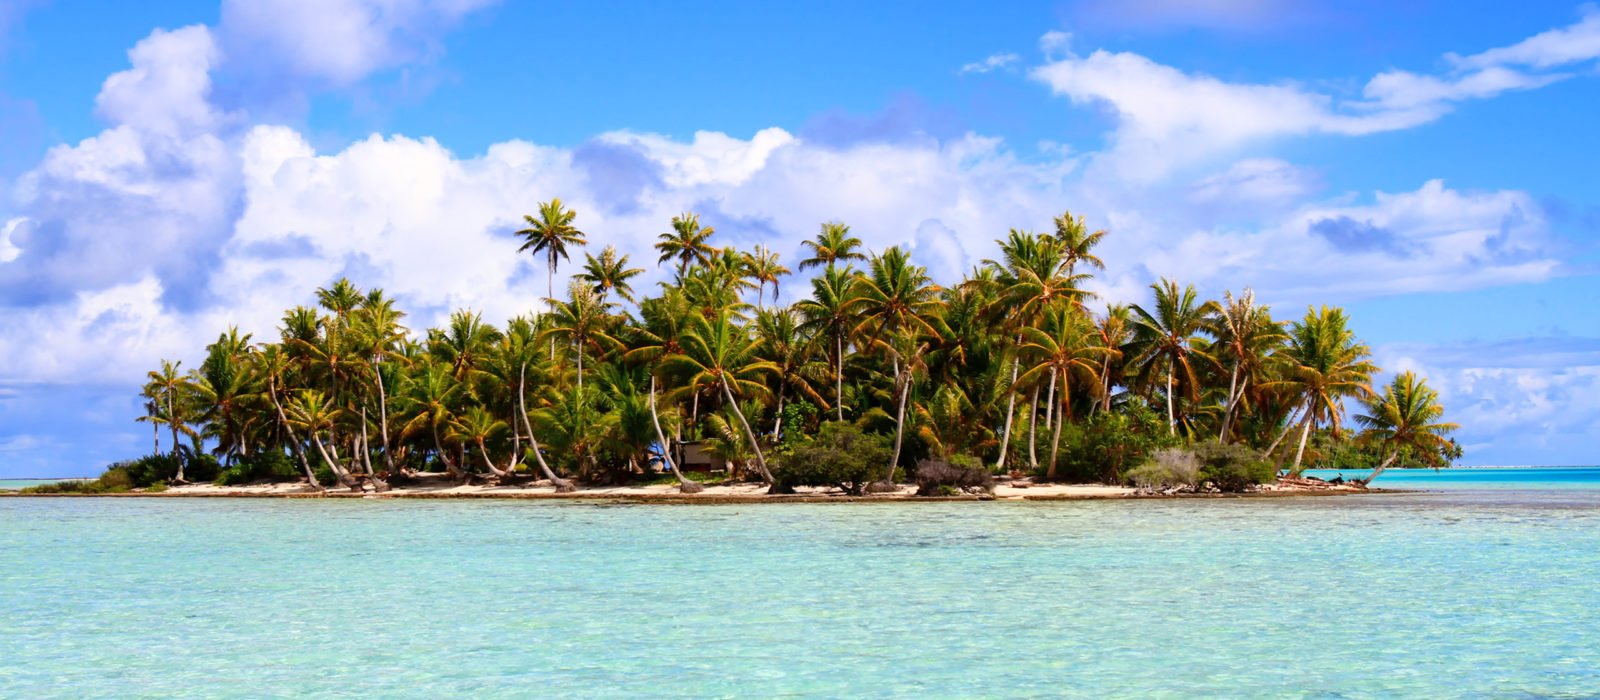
[[170, 169]]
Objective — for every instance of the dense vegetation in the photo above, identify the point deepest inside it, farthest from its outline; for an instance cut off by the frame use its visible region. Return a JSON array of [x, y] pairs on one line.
[[878, 370]]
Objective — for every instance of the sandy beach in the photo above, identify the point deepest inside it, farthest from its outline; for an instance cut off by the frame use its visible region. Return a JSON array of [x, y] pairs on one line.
[[439, 486]]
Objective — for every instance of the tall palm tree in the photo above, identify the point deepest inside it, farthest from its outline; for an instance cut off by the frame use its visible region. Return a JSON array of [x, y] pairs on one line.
[[1404, 420], [686, 243], [897, 304], [832, 245], [551, 233], [1078, 242], [274, 366], [764, 267], [609, 272], [782, 340], [583, 321], [1326, 364], [169, 390], [718, 352], [1164, 341], [379, 330], [1064, 347], [519, 350], [829, 313], [1246, 336]]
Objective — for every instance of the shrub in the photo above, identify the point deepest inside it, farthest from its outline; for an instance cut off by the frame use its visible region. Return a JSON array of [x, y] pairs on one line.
[[840, 455], [270, 465], [1103, 447], [960, 474], [1233, 468], [1169, 468]]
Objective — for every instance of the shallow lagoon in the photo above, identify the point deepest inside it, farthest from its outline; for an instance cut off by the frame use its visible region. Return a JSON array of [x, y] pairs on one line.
[[1472, 591]]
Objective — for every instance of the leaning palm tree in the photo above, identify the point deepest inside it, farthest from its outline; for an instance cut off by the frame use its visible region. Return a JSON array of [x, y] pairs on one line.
[[832, 245], [519, 349], [1325, 365], [686, 243], [609, 273], [312, 412], [717, 352], [477, 426], [1164, 341], [550, 234], [1404, 421]]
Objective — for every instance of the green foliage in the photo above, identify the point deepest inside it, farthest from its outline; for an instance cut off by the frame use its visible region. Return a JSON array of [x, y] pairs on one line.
[[271, 465], [116, 479], [841, 455], [1233, 468], [1106, 445]]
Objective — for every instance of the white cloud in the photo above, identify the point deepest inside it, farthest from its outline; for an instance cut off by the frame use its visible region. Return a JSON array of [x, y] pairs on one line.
[[1556, 47], [992, 63], [338, 41], [166, 90]]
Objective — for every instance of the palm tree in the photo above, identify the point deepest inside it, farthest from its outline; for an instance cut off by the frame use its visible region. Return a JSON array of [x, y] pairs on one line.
[[1404, 420], [379, 330], [832, 245], [550, 234], [273, 366], [1246, 336], [1078, 242], [477, 425], [829, 313], [609, 273], [718, 352], [519, 350], [896, 301], [1065, 346], [764, 267], [1326, 365], [434, 398], [686, 243], [583, 321], [781, 339], [169, 390], [1164, 341], [313, 412]]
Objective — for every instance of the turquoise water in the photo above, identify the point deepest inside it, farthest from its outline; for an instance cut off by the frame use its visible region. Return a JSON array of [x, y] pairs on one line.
[[1473, 592]]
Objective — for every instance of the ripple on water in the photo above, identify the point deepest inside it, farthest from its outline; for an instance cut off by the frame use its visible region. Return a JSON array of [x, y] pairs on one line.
[[1361, 596]]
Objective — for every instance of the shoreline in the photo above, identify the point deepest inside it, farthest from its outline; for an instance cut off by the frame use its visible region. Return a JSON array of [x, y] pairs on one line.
[[721, 494]]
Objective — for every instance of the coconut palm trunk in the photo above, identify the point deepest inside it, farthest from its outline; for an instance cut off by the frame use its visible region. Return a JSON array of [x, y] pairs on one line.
[[1011, 408], [899, 426], [838, 375], [684, 484], [761, 460], [1172, 419], [172, 422], [1055, 439], [294, 441], [339, 472], [366, 455], [1233, 398], [562, 485], [1305, 432], [484, 452], [456, 471], [1033, 429], [1385, 465], [383, 421]]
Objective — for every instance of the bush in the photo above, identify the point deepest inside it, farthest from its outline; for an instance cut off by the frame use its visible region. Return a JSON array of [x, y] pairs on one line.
[[960, 474], [1233, 468], [271, 465], [840, 455], [1169, 468], [1106, 445]]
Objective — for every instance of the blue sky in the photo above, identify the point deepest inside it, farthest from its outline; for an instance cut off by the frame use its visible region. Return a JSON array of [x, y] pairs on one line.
[[171, 168]]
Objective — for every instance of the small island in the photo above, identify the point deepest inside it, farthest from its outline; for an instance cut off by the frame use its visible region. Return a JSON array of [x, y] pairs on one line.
[[880, 383]]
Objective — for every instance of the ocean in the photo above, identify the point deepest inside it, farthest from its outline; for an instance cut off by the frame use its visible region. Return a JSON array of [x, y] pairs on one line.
[[1483, 583]]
